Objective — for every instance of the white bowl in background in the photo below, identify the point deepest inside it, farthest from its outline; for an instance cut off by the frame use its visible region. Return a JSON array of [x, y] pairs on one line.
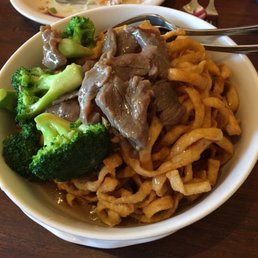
[[36, 204]]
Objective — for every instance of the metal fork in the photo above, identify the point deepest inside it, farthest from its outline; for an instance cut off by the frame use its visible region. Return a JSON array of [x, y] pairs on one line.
[[212, 14], [160, 22]]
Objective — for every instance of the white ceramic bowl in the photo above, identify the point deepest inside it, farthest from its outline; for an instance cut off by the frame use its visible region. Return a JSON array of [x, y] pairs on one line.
[[37, 205]]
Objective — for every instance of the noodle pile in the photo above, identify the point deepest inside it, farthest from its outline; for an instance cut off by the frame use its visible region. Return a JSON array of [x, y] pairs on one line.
[[180, 163]]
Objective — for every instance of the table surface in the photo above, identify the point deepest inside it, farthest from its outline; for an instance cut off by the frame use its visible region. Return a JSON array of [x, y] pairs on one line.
[[230, 231]]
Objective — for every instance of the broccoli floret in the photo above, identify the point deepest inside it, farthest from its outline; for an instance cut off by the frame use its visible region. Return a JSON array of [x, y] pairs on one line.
[[8, 100], [81, 30], [18, 149], [37, 88], [68, 152], [29, 78], [77, 38]]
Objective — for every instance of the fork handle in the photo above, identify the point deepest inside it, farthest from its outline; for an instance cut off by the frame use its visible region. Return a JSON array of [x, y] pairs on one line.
[[243, 30], [240, 49]]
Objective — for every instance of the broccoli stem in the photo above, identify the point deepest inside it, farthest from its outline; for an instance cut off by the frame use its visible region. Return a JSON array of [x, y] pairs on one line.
[[44, 123], [66, 81], [71, 49], [8, 99]]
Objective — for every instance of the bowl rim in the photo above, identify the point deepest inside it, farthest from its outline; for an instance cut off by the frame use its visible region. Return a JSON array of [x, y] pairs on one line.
[[126, 233]]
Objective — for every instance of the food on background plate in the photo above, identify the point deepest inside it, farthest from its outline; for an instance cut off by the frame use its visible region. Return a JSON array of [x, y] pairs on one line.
[[166, 109], [65, 8]]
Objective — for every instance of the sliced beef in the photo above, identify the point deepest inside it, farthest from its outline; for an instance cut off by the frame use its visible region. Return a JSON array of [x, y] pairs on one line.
[[168, 108], [160, 58], [119, 86], [66, 97], [125, 104], [92, 82], [66, 107], [110, 44], [69, 109], [126, 43], [128, 65], [88, 64], [52, 58], [152, 61], [94, 79]]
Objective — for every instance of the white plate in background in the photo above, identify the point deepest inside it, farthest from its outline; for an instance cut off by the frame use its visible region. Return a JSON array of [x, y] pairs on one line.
[[36, 10]]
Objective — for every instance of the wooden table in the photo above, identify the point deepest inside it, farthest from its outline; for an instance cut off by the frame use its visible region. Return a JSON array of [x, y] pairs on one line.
[[230, 231]]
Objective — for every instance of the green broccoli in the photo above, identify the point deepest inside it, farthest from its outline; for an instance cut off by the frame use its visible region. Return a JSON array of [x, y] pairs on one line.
[[8, 100], [68, 152], [28, 78], [37, 88], [77, 38], [18, 148]]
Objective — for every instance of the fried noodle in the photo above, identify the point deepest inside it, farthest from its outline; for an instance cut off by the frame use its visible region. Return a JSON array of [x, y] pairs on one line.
[[179, 163]]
